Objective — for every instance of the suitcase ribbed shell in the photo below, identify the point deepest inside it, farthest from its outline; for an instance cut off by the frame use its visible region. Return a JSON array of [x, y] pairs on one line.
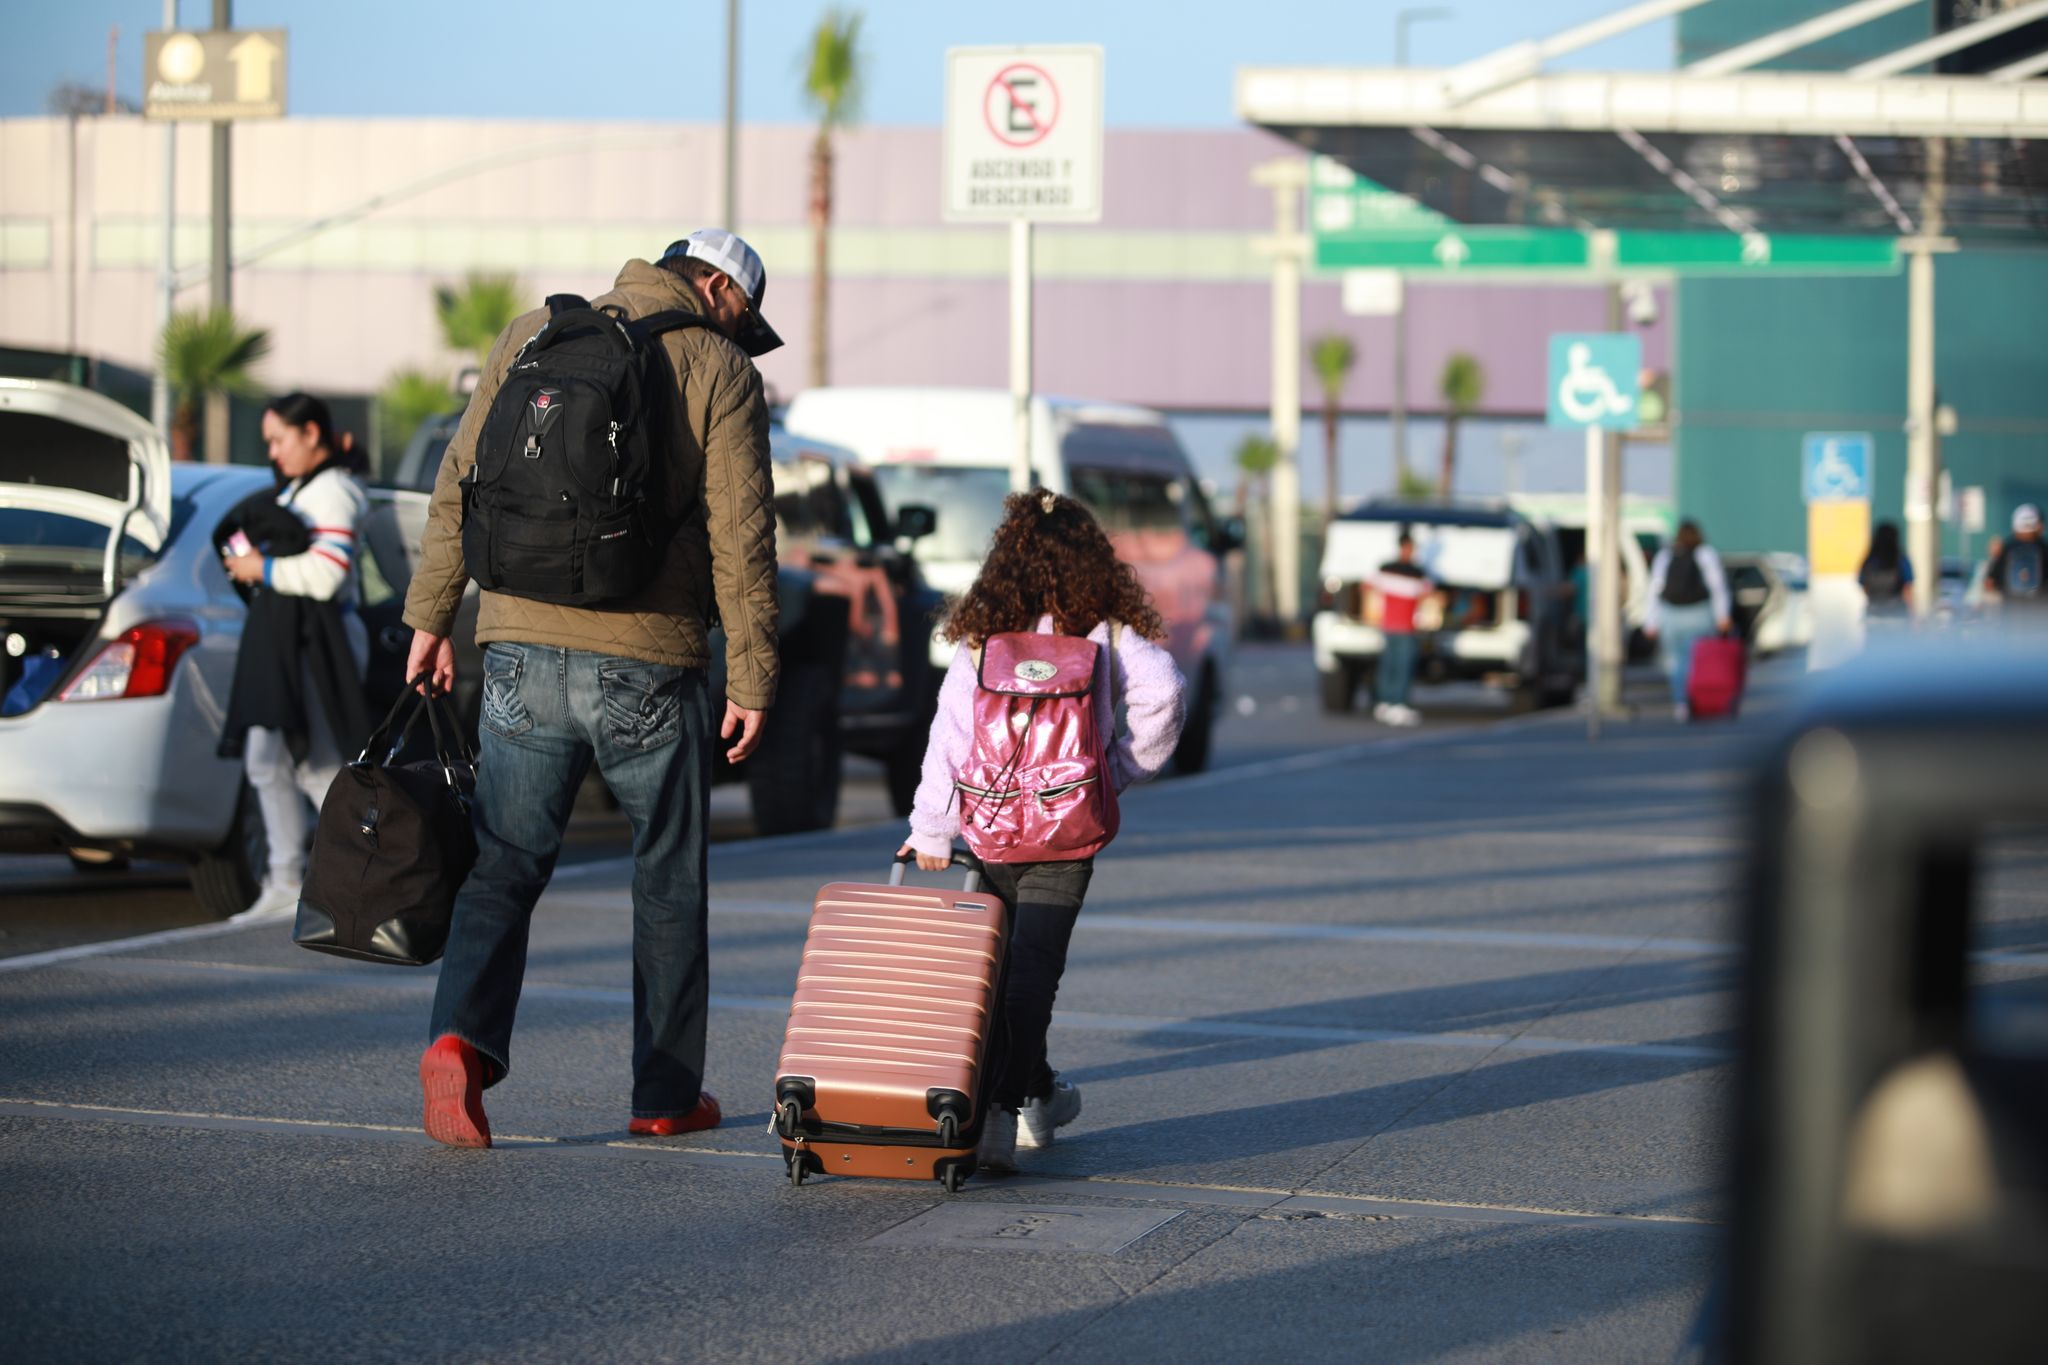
[[893, 1000]]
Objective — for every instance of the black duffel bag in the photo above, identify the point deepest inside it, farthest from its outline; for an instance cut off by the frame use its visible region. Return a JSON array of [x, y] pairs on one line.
[[392, 848]]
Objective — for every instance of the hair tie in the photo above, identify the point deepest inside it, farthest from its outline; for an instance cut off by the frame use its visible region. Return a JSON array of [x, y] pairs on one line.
[[1045, 501]]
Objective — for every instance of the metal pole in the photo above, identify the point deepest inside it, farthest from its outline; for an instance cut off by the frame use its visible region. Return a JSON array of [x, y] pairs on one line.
[[1596, 529], [1397, 413], [1923, 452], [1286, 510], [167, 267], [729, 215], [1021, 478], [220, 291], [1608, 583]]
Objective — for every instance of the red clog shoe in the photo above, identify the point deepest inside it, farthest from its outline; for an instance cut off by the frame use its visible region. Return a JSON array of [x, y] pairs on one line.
[[452, 1080], [705, 1115]]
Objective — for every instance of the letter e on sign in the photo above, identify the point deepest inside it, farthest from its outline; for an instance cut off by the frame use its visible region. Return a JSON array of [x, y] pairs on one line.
[[1023, 134]]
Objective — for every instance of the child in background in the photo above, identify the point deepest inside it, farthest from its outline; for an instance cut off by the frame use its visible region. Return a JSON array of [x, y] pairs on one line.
[[1050, 570]]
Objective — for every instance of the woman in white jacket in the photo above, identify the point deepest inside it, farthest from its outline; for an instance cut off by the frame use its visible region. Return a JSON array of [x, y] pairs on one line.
[[320, 487]]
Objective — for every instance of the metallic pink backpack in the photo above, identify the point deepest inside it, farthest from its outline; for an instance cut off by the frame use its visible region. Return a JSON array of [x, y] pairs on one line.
[[1036, 786]]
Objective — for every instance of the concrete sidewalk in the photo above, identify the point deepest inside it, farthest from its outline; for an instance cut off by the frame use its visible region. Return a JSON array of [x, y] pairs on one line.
[[1415, 1051]]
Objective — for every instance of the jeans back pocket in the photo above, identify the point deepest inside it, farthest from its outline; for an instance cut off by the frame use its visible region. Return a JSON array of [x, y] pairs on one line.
[[642, 703]]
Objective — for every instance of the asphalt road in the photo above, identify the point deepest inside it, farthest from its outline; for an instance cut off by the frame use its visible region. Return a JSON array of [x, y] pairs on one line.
[[1272, 713], [1408, 1049]]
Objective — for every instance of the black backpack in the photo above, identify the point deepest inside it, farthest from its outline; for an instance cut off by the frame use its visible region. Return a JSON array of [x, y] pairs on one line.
[[1684, 584], [566, 502], [392, 848], [2023, 565]]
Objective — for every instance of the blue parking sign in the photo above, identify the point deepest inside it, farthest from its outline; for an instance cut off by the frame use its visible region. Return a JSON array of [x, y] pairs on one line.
[[1837, 466], [1593, 379]]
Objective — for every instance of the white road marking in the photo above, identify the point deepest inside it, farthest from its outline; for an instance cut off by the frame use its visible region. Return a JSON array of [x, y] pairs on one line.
[[1262, 1198]]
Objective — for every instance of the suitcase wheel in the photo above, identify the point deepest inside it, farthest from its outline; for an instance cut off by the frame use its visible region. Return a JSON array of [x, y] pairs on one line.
[[789, 1118], [949, 1130], [953, 1178], [797, 1166]]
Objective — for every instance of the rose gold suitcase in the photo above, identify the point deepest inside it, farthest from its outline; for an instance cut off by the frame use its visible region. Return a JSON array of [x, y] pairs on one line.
[[882, 1066]]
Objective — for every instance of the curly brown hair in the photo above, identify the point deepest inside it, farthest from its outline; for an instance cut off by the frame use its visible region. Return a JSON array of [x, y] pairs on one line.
[[1050, 555]]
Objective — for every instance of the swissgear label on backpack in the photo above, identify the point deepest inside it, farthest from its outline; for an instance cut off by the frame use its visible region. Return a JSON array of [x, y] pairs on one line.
[[542, 407]]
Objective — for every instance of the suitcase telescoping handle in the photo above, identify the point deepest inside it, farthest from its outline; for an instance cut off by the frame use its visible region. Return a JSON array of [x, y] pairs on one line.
[[961, 858]]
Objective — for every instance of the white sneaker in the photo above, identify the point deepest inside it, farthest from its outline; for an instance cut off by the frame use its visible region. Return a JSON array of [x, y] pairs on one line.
[[1382, 713], [1039, 1118], [277, 900], [997, 1153], [1681, 712], [1403, 716]]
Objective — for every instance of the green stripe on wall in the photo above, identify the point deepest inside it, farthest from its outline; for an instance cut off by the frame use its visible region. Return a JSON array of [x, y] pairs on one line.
[[857, 253], [24, 244]]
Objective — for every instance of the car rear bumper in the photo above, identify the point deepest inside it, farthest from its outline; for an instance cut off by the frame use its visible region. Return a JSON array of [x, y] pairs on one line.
[[1461, 653], [141, 772]]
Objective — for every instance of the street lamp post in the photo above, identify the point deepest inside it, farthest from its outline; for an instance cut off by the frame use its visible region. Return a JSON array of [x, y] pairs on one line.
[[1398, 414]]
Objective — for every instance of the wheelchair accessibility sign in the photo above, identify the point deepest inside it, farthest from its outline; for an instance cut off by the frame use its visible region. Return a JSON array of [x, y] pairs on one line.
[[1593, 379], [1837, 465]]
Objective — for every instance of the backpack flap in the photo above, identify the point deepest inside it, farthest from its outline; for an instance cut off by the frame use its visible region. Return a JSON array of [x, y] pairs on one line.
[[1027, 664]]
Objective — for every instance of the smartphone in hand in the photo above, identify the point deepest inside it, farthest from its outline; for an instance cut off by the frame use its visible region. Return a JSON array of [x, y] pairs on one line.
[[237, 546]]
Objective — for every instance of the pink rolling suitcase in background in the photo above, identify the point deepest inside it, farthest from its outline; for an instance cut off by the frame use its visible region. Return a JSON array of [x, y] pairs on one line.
[[1714, 686], [883, 1066]]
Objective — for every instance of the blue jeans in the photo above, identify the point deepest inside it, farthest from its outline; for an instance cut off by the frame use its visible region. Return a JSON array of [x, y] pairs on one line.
[[547, 713], [1679, 629], [1397, 668]]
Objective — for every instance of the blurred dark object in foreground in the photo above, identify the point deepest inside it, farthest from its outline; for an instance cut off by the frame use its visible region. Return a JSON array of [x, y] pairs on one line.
[[1891, 1141]]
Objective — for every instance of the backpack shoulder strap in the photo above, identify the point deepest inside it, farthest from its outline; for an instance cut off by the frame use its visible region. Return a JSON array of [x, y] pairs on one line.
[[670, 320], [562, 303]]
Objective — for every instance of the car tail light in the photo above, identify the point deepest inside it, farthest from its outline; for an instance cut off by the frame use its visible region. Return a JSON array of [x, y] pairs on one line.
[[1522, 605], [138, 663]]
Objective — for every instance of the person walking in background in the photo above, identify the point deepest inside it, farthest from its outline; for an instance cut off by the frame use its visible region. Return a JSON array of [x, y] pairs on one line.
[[1050, 570], [1402, 585], [2017, 570], [297, 700], [1886, 579], [1688, 600], [620, 682]]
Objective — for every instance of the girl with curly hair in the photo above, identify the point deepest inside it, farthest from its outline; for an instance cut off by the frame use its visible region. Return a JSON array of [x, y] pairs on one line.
[[1050, 570]]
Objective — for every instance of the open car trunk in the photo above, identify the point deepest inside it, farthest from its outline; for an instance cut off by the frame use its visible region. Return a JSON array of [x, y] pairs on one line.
[[85, 498], [1472, 564]]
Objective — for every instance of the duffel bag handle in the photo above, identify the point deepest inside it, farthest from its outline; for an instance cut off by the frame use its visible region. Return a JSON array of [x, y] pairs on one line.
[[449, 748], [370, 742]]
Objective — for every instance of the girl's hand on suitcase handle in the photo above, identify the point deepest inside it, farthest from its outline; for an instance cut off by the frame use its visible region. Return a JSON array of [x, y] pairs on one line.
[[925, 861]]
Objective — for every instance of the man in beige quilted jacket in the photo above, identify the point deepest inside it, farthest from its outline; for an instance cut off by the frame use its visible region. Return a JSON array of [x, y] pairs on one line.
[[622, 685]]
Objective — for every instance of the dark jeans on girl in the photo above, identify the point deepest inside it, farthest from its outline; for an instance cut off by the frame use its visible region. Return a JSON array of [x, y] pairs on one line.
[[1044, 901]]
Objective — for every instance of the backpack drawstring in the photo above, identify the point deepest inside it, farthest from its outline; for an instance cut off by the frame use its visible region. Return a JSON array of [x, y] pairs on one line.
[[1009, 769]]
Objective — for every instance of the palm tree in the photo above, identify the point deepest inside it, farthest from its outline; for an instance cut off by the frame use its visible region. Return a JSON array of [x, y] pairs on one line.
[[207, 355], [408, 398], [474, 313], [1332, 355], [1256, 456], [832, 87], [1462, 385]]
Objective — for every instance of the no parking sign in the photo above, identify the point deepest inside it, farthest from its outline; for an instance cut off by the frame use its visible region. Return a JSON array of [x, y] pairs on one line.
[[1024, 134]]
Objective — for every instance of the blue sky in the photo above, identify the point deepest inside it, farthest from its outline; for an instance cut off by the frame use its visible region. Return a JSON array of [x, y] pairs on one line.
[[1168, 62]]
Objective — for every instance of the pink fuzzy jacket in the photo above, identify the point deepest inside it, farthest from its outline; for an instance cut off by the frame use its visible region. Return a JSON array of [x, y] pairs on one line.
[[1146, 682]]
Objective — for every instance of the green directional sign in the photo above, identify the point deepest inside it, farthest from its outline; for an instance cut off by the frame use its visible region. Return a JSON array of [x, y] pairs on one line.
[[1360, 225], [1455, 248], [1705, 253]]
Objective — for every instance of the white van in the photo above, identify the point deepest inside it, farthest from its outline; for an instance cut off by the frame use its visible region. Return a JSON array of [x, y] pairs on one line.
[[950, 450]]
